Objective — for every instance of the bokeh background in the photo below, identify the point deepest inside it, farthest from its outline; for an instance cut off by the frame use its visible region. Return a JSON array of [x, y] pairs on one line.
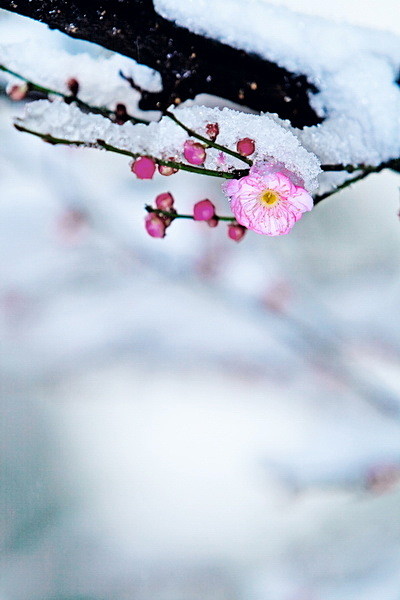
[[189, 418]]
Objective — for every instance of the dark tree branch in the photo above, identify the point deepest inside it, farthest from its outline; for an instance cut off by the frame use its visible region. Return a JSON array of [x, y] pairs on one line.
[[189, 64]]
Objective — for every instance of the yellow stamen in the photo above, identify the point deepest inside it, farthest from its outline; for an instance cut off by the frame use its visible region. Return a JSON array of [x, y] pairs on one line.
[[269, 198]]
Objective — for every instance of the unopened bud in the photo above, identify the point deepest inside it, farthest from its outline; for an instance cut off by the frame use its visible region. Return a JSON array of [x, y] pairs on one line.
[[121, 116], [18, 92], [165, 201], [236, 232], [194, 152], [213, 222], [245, 147], [203, 210], [73, 86], [143, 167], [165, 170], [155, 225], [212, 131]]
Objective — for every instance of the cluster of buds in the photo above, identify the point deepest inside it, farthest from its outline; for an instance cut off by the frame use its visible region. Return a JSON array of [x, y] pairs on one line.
[[156, 222], [194, 152], [161, 215]]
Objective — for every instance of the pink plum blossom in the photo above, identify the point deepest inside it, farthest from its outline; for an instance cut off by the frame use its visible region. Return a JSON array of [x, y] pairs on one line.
[[194, 152], [144, 167], [236, 232], [203, 210], [155, 225], [245, 147], [267, 200]]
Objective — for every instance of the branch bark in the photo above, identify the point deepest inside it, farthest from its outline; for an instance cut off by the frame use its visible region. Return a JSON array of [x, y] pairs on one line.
[[189, 64]]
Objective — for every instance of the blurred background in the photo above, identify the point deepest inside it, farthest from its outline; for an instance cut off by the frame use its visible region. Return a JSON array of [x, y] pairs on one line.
[[190, 418]]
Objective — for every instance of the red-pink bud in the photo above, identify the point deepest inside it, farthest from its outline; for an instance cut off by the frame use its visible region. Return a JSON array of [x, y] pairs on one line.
[[213, 222], [246, 146], [165, 170], [155, 225], [212, 131], [203, 210], [73, 86], [194, 152], [144, 167], [165, 201], [18, 92], [236, 232]]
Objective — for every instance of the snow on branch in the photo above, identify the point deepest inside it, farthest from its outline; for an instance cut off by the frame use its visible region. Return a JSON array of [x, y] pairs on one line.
[[165, 141], [98, 79]]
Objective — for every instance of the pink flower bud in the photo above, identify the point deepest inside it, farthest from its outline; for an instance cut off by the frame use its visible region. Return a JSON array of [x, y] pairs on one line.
[[245, 147], [194, 152], [155, 225], [165, 201], [73, 86], [212, 131], [203, 210], [18, 92], [144, 167], [213, 222], [165, 170], [236, 232]]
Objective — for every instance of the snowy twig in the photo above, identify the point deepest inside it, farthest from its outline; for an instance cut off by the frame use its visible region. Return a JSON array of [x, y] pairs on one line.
[[368, 169], [98, 110], [112, 114], [207, 141], [365, 171], [101, 144]]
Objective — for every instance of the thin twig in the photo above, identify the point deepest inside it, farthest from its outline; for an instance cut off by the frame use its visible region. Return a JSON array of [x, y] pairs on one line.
[[98, 110], [207, 141], [174, 215], [104, 145]]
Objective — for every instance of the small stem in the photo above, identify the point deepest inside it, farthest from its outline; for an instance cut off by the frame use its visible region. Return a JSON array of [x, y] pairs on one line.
[[50, 139], [173, 215], [393, 162], [98, 110], [102, 144], [341, 187], [177, 165], [348, 168], [207, 141]]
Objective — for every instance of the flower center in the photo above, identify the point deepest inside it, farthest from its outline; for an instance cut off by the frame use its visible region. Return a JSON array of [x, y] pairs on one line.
[[269, 198]]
